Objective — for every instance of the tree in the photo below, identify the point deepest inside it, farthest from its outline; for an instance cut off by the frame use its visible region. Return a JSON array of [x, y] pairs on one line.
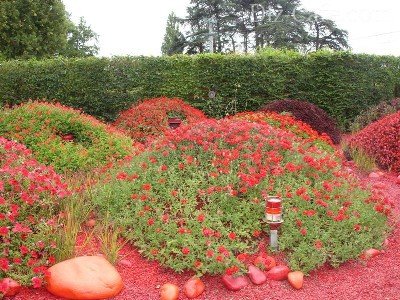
[[32, 28], [174, 41], [254, 24], [82, 40], [323, 33]]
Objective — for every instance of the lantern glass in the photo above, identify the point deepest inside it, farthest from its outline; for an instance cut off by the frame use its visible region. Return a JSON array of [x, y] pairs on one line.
[[274, 210]]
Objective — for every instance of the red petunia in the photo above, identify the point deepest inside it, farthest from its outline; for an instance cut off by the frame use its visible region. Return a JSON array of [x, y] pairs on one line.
[[146, 187], [185, 250]]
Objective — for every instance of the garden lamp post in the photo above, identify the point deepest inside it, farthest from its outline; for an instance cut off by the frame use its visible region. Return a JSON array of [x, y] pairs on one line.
[[273, 213]]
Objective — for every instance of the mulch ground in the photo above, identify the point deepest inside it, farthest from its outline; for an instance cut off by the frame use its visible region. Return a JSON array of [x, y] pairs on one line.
[[379, 278]]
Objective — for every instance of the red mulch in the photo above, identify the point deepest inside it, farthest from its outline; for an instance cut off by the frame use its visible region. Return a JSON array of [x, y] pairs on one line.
[[378, 279]]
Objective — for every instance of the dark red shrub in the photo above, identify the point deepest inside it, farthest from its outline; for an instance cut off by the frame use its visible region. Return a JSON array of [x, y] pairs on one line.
[[381, 140], [309, 113], [149, 118]]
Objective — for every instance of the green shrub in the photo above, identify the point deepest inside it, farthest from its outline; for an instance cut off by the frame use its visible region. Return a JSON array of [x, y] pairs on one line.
[[195, 199], [338, 82], [63, 137]]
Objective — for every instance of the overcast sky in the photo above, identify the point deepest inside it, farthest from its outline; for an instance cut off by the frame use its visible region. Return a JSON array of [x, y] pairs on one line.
[[133, 27]]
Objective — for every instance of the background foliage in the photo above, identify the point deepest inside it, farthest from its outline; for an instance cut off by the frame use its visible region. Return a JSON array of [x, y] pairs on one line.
[[341, 83], [242, 25], [42, 28]]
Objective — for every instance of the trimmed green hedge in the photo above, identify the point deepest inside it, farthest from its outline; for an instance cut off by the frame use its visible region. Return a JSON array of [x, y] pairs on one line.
[[341, 83]]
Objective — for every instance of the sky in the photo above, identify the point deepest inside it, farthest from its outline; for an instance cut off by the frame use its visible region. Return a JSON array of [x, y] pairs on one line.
[[133, 27]]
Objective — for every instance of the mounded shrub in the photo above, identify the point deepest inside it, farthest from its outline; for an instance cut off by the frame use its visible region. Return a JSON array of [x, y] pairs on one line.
[[29, 203], [149, 118], [308, 113], [381, 140], [287, 122], [63, 137], [374, 113], [195, 199]]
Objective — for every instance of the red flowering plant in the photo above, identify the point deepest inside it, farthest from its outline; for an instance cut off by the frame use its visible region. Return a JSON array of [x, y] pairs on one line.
[[29, 197], [381, 140], [308, 113], [195, 199], [63, 137], [288, 122], [149, 118]]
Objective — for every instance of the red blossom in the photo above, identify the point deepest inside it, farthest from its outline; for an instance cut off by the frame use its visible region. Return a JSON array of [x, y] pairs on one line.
[[232, 270], [318, 244], [37, 282], [201, 218], [146, 187], [4, 264], [232, 236], [210, 253]]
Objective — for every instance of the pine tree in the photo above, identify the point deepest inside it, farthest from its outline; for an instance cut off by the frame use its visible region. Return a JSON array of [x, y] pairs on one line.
[[32, 28], [174, 41]]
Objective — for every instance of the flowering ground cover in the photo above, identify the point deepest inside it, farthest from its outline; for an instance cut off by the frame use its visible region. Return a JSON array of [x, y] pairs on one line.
[[194, 199], [149, 119], [193, 202], [376, 279], [63, 137], [29, 203]]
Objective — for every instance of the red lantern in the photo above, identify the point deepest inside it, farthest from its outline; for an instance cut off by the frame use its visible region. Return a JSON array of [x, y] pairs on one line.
[[273, 213], [274, 210], [174, 123]]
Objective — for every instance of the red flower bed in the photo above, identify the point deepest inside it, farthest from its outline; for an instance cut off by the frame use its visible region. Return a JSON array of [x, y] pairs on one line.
[[29, 195], [381, 140], [309, 113], [195, 199], [285, 122], [149, 118]]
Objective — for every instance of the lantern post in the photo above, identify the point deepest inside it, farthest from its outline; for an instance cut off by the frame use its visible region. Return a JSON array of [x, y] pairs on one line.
[[273, 214]]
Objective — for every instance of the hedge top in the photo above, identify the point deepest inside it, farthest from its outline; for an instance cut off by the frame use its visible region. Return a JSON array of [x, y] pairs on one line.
[[341, 83]]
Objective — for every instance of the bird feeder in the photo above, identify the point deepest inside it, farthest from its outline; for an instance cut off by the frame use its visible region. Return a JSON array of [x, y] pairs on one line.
[[273, 214]]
